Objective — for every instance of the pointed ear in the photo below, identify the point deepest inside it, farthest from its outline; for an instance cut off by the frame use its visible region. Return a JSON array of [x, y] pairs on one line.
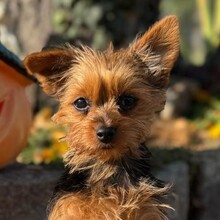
[[160, 45], [49, 67]]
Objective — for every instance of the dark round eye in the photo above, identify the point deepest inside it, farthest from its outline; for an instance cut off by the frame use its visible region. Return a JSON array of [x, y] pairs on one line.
[[81, 104], [126, 102]]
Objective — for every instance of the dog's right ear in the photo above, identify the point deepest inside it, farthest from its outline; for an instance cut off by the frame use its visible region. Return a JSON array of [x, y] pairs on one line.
[[49, 67]]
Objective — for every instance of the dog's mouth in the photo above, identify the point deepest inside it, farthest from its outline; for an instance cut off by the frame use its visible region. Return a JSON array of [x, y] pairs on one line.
[[106, 146]]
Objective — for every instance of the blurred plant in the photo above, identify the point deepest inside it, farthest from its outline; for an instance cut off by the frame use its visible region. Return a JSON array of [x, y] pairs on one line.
[[199, 25], [80, 19], [209, 120], [96, 22], [44, 144], [209, 12]]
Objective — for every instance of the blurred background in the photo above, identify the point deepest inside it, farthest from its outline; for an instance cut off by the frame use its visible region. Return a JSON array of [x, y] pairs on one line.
[[191, 118], [189, 127]]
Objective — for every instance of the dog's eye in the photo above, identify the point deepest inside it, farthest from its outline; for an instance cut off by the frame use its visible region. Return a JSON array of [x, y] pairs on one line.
[[81, 104], [126, 102]]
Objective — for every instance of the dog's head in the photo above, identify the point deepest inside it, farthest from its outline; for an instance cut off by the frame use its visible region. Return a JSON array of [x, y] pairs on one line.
[[108, 99]]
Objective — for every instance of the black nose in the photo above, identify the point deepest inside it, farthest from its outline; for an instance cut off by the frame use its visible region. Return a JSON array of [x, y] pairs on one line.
[[106, 134]]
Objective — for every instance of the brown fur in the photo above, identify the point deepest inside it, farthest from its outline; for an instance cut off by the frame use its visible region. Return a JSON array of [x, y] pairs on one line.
[[142, 70], [135, 204]]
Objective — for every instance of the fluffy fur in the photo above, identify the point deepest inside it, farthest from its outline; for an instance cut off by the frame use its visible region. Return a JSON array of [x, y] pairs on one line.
[[109, 180]]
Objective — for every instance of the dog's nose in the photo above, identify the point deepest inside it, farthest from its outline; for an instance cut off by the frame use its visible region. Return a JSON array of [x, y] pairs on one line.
[[106, 134]]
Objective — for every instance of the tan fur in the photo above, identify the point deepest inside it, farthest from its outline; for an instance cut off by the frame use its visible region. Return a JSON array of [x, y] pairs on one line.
[[142, 70], [102, 86], [163, 40], [135, 204]]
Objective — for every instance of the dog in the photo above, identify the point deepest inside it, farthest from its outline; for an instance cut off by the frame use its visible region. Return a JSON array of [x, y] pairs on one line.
[[108, 100]]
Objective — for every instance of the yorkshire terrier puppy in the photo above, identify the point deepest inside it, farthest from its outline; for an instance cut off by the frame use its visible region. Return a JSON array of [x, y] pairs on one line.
[[107, 102]]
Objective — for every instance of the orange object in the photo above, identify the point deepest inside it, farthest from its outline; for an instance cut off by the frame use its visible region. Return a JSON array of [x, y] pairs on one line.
[[15, 110]]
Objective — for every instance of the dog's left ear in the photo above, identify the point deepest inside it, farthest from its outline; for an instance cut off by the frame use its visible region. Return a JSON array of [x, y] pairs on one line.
[[159, 47], [49, 67]]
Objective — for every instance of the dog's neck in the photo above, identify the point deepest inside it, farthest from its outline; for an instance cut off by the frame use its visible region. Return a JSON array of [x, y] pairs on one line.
[[93, 174], [124, 172], [100, 177]]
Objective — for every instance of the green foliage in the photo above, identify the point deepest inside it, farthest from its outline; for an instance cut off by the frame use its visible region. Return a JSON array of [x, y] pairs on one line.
[[207, 117], [209, 12], [96, 22], [41, 139], [199, 25], [44, 146]]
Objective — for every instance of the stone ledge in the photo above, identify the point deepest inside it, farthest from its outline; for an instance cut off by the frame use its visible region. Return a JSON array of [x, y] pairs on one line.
[[207, 190], [25, 191], [177, 174]]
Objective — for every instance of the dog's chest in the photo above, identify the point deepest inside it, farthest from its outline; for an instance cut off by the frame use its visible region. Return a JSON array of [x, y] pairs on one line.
[[115, 204]]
